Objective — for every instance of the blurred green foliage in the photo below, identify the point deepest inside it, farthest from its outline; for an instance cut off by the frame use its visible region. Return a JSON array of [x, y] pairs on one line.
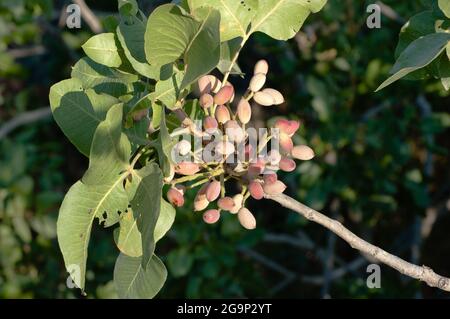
[[382, 160]]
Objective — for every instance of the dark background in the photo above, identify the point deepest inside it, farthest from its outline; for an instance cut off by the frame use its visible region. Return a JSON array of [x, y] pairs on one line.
[[381, 166]]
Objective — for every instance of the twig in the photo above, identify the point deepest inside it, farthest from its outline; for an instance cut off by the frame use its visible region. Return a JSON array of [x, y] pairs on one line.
[[289, 276], [422, 273], [26, 52], [23, 119], [89, 16], [337, 273], [328, 264], [390, 13]]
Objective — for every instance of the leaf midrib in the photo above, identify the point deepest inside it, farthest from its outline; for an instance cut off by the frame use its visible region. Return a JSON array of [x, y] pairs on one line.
[[253, 29], [234, 16], [75, 104]]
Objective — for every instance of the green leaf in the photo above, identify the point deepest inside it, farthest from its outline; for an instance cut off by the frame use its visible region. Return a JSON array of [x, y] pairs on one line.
[[168, 34], [281, 19], [78, 112], [81, 205], [136, 282], [171, 35], [110, 150], [102, 49], [137, 134], [418, 54], [419, 25], [128, 7], [102, 78], [227, 51], [131, 37], [164, 146], [199, 61], [236, 15], [444, 5], [128, 238], [165, 220], [146, 205], [157, 111], [169, 91]]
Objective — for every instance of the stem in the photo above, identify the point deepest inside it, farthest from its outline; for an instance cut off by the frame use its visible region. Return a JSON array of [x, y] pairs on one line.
[[187, 178], [423, 273], [234, 59]]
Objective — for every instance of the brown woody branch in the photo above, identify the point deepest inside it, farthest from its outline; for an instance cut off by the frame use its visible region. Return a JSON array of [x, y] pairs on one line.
[[422, 273]]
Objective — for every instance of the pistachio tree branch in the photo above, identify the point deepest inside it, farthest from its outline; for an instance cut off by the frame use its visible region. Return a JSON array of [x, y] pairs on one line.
[[89, 16], [24, 119], [422, 273]]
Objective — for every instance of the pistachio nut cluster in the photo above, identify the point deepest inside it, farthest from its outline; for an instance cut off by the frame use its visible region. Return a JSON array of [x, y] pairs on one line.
[[224, 149]]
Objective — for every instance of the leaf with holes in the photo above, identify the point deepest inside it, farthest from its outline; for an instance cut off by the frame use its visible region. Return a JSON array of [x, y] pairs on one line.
[[81, 205], [236, 15], [128, 238], [146, 205]]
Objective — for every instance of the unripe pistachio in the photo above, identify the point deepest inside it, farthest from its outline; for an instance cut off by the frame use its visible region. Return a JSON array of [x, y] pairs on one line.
[[222, 114], [226, 203], [276, 95], [183, 147], [237, 199], [274, 188], [257, 167], [287, 127], [270, 178], [257, 82], [244, 111], [224, 95], [263, 98], [175, 197], [211, 216], [273, 157], [213, 191], [234, 132], [261, 67], [206, 100], [287, 165], [181, 188], [246, 218], [204, 85], [187, 168], [216, 84], [302, 152], [225, 148], [210, 123], [256, 190], [209, 83], [200, 200], [286, 142]]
